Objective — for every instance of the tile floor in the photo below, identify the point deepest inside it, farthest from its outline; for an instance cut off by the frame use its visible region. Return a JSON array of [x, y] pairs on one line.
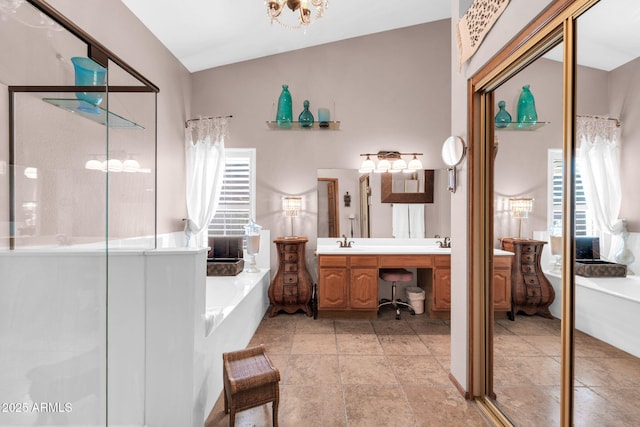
[[387, 372]]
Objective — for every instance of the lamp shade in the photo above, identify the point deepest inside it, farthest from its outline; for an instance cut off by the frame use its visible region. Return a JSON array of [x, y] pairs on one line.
[[520, 207], [291, 205], [367, 166], [414, 164], [383, 166]]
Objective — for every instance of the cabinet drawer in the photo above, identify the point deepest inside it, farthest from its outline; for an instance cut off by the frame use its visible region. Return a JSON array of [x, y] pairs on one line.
[[290, 267], [529, 258], [290, 248], [529, 249], [290, 278], [363, 261], [291, 256], [442, 261], [531, 280], [528, 268], [332, 261], [415, 261]]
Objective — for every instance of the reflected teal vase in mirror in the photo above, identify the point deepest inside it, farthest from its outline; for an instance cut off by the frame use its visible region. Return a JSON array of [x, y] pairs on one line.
[[89, 73], [503, 118], [527, 115], [305, 118], [284, 116]]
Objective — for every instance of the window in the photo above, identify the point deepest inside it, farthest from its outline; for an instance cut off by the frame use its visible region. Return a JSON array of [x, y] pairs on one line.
[[237, 199], [584, 225]]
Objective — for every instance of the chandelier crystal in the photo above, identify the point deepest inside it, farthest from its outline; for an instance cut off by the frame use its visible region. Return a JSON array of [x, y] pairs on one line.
[[304, 7]]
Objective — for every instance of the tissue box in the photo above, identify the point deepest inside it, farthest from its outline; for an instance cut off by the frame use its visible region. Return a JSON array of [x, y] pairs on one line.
[[225, 256], [599, 268]]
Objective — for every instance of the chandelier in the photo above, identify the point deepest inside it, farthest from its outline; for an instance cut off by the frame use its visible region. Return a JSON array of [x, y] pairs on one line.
[[275, 8]]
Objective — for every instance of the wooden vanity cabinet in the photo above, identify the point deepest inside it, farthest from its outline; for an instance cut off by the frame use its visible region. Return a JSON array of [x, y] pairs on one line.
[[441, 295], [348, 283], [441, 283]]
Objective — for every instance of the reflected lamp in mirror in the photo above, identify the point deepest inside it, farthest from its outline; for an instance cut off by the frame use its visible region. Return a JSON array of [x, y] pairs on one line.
[[391, 162], [291, 206], [520, 209], [453, 151]]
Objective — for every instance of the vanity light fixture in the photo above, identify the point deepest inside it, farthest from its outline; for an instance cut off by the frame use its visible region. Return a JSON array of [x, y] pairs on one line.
[[390, 161], [275, 8], [291, 206], [520, 208]]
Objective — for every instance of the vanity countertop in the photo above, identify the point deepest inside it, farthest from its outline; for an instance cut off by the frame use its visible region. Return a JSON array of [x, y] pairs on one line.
[[385, 246]]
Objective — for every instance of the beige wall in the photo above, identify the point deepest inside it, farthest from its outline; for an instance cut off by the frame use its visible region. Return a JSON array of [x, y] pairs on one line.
[[391, 92]]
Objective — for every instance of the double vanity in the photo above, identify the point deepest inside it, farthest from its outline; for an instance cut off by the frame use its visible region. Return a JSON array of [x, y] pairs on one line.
[[348, 276]]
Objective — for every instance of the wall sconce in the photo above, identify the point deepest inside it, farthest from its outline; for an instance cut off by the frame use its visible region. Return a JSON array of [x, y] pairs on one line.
[[520, 209], [291, 206], [390, 161]]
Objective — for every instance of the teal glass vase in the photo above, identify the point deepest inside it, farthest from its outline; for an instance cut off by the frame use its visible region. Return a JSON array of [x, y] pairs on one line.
[[89, 73], [284, 116], [527, 115], [503, 118], [305, 118]]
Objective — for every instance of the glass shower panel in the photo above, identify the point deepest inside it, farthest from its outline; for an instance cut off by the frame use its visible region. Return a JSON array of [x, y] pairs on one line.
[[53, 260], [131, 152]]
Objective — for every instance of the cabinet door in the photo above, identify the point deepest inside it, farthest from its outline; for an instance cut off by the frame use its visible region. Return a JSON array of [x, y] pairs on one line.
[[442, 289], [363, 289], [502, 289], [332, 288]]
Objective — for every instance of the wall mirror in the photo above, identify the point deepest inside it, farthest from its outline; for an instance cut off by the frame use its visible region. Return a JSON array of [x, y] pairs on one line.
[[571, 80], [453, 151], [368, 215], [415, 187]]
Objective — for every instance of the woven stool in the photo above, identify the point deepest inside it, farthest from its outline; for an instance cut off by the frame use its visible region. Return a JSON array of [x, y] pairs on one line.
[[250, 380]]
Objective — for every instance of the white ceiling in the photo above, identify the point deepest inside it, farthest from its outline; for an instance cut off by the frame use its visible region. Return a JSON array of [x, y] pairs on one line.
[[208, 33]]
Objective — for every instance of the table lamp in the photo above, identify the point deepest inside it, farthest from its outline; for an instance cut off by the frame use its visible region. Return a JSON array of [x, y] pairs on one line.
[[520, 209], [291, 206]]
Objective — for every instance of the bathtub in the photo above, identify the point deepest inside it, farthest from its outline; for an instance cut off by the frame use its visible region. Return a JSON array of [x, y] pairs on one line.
[[606, 308]]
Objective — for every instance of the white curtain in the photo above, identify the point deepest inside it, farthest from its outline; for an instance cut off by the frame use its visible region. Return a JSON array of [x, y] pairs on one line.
[[204, 153], [598, 160]]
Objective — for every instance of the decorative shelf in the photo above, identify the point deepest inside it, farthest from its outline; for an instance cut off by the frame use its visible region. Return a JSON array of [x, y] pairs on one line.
[[92, 112], [296, 126], [523, 126]]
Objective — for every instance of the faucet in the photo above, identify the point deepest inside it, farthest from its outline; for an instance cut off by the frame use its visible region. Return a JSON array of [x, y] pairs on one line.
[[446, 243], [344, 243]]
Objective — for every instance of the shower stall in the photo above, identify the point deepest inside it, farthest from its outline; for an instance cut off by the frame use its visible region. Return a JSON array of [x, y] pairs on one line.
[[77, 215]]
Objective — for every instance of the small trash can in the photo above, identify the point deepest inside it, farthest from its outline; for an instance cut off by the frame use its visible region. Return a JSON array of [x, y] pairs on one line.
[[415, 295]]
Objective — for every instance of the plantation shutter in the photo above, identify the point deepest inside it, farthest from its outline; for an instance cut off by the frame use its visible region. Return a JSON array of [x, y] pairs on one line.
[[234, 210]]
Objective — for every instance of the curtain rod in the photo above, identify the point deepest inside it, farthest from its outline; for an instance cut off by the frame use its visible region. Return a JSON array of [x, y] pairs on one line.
[[618, 122], [186, 124]]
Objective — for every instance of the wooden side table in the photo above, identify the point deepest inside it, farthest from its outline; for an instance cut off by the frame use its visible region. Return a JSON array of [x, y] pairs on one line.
[[531, 291], [290, 289]]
